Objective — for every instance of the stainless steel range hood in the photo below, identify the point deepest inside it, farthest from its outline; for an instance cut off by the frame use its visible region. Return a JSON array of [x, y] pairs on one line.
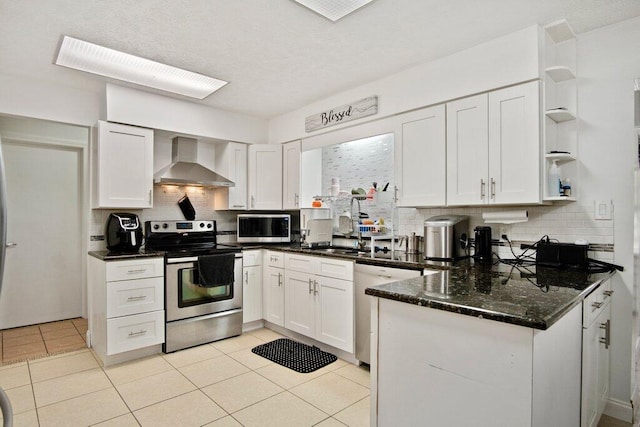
[[185, 169]]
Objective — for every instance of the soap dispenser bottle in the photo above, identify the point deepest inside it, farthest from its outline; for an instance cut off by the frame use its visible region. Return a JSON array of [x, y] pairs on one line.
[[553, 180]]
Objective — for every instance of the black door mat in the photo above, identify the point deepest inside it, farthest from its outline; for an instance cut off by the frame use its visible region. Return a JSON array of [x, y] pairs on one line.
[[295, 355]]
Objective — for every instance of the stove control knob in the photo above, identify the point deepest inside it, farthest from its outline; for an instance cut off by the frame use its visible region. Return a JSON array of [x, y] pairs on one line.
[[209, 225], [156, 226], [165, 225], [202, 225]]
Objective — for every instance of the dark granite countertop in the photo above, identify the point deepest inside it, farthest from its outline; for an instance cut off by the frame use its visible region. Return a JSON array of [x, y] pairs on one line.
[[526, 296], [119, 256]]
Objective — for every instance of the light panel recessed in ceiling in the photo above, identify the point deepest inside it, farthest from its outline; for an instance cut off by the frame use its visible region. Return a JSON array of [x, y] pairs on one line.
[[333, 9], [96, 59]]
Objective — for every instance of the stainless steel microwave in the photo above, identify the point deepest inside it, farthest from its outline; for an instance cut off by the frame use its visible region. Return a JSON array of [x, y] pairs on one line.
[[264, 228]]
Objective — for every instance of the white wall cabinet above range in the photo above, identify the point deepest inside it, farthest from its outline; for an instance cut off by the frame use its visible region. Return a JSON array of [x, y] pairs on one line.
[[265, 177], [231, 162], [493, 147], [420, 145], [291, 157], [122, 166]]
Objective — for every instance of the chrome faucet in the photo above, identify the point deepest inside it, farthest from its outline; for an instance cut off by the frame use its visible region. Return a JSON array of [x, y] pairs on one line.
[[361, 244]]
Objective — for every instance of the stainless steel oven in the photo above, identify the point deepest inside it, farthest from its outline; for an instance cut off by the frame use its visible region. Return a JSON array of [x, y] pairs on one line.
[[195, 314]]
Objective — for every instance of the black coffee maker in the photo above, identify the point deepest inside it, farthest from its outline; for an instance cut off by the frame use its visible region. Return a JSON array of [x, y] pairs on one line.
[[482, 244], [123, 233]]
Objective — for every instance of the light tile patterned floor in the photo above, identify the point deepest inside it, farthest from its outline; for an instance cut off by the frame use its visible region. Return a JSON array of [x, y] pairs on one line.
[[219, 384], [32, 342]]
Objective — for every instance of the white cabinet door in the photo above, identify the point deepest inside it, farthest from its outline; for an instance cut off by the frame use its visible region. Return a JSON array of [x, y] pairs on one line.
[[421, 150], [291, 175], [251, 293], [467, 151], [231, 162], [265, 177], [273, 295], [514, 145], [122, 158], [300, 302], [335, 313]]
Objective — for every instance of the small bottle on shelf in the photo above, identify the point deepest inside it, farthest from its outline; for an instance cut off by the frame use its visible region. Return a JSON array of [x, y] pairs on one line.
[[553, 180]]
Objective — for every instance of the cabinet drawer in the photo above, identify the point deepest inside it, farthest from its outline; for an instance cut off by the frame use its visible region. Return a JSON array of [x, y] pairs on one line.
[[335, 268], [135, 296], [133, 332], [251, 258], [135, 269], [302, 263], [274, 259], [595, 303]]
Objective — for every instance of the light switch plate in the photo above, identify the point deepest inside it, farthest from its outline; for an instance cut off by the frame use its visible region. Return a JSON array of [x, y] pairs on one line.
[[603, 209]]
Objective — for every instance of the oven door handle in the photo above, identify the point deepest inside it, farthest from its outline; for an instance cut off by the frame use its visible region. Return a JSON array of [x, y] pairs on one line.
[[191, 259]]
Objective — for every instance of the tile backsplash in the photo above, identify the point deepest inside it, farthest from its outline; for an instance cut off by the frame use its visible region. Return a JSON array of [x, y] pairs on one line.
[[165, 207], [565, 223]]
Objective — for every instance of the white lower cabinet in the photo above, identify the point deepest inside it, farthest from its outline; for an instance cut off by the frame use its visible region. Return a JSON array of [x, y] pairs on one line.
[[251, 286], [126, 308], [596, 336], [273, 287], [319, 299]]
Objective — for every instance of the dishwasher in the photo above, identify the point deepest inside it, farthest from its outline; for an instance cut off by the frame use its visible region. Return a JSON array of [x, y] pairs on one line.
[[366, 276]]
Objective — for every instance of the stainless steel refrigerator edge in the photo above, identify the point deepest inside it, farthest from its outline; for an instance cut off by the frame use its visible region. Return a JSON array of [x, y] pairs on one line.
[[5, 404]]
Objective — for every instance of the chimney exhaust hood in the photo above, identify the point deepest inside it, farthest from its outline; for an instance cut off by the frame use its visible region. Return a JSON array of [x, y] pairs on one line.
[[185, 169]]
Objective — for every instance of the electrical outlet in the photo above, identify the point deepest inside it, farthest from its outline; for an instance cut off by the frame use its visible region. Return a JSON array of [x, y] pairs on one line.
[[603, 209]]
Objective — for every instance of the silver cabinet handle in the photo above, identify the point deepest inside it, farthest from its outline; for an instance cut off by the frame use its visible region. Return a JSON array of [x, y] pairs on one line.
[[297, 199], [253, 202], [138, 298], [607, 333], [150, 192], [310, 286], [246, 277], [238, 206], [607, 294], [11, 245], [493, 188], [279, 279], [315, 287], [482, 184], [382, 276], [596, 305], [139, 270], [137, 334]]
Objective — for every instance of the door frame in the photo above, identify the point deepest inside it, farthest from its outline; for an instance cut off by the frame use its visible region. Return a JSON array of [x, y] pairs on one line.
[[16, 136]]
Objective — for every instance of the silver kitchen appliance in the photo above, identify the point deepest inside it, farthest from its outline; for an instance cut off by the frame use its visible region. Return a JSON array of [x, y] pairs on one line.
[[264, 228], [196, 313], [446, 237]]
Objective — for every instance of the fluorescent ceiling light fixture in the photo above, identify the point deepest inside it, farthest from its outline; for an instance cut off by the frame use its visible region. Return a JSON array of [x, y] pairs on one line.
[[333, 9], [100, 60]]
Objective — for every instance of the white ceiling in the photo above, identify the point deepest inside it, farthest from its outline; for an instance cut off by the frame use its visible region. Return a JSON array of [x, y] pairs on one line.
[[277, 54]]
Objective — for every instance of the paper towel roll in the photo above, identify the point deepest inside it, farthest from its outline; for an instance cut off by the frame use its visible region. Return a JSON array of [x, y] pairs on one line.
[[505, 217]]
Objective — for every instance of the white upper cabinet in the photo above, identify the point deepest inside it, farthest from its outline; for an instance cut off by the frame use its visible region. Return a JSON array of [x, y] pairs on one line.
[[514, 145], [231, 162], [265, 177], [467, 151], [291, 175], [493, 147], [420, 153], [122, 160]]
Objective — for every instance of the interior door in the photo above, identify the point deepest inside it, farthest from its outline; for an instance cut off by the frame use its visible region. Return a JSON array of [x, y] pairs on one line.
[[43, 273]]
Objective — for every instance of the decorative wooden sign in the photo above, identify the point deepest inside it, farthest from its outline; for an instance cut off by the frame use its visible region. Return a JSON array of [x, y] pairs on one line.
[[356, 110]]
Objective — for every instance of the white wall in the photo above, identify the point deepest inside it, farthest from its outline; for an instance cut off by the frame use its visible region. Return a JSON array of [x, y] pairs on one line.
[[37, 99], [608, 62], [478, 69]]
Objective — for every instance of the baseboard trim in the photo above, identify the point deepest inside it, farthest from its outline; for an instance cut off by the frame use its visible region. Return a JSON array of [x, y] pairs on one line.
[[619, 409]]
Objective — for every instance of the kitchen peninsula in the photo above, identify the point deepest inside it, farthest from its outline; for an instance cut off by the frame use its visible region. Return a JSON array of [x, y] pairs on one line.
[[485, 346]]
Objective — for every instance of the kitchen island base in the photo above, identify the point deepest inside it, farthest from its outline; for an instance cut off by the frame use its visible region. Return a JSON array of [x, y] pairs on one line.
[[439, 368]]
